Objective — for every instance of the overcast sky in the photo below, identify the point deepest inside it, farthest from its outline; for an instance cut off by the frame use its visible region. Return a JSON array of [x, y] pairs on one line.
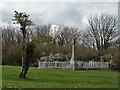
[[73, 13]]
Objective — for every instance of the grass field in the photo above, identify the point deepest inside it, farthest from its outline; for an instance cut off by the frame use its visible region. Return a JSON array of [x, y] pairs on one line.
[[59, 78]]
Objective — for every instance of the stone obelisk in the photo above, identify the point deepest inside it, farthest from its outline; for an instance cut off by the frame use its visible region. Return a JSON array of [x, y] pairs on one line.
[[72, 60]]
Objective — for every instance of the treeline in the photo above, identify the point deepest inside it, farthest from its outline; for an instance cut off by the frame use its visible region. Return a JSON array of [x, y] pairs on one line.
[[99, 41]]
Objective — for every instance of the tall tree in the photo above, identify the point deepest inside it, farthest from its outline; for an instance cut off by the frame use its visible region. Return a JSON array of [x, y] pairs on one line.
[[10, 35], [65, 34], [43, 29], [101, 31], [23, 20]]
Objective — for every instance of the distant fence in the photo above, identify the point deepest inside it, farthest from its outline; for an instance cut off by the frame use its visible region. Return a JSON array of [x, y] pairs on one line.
[[78, 64]]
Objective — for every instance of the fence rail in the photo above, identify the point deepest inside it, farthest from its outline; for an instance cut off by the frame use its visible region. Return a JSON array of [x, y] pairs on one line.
[[78, 64]]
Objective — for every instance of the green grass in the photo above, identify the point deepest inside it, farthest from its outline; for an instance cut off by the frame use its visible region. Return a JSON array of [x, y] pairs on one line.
[[59, 78]]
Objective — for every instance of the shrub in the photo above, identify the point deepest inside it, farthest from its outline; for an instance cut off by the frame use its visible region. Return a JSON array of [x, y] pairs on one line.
[[11, 55]]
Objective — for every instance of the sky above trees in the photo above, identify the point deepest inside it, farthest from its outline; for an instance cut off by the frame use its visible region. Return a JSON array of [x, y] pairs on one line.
[[60, 12]]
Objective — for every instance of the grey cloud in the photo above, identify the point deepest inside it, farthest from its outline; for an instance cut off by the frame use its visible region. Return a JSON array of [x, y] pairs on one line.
[[7, 17], [71, 14], [62, 13]]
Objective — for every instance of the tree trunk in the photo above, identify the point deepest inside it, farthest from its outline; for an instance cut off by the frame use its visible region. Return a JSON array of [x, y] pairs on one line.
[[25, 67]]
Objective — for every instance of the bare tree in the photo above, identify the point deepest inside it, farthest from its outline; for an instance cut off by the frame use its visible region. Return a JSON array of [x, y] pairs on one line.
[[43, 29], [10, 35], [101, 31], [64, 34]]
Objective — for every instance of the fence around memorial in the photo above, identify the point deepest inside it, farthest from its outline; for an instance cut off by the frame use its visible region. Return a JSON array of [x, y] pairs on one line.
[[78, 64]]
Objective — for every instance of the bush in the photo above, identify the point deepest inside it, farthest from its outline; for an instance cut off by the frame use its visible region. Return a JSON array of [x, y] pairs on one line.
[[86, 54], [11, 55], [115, 61]]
